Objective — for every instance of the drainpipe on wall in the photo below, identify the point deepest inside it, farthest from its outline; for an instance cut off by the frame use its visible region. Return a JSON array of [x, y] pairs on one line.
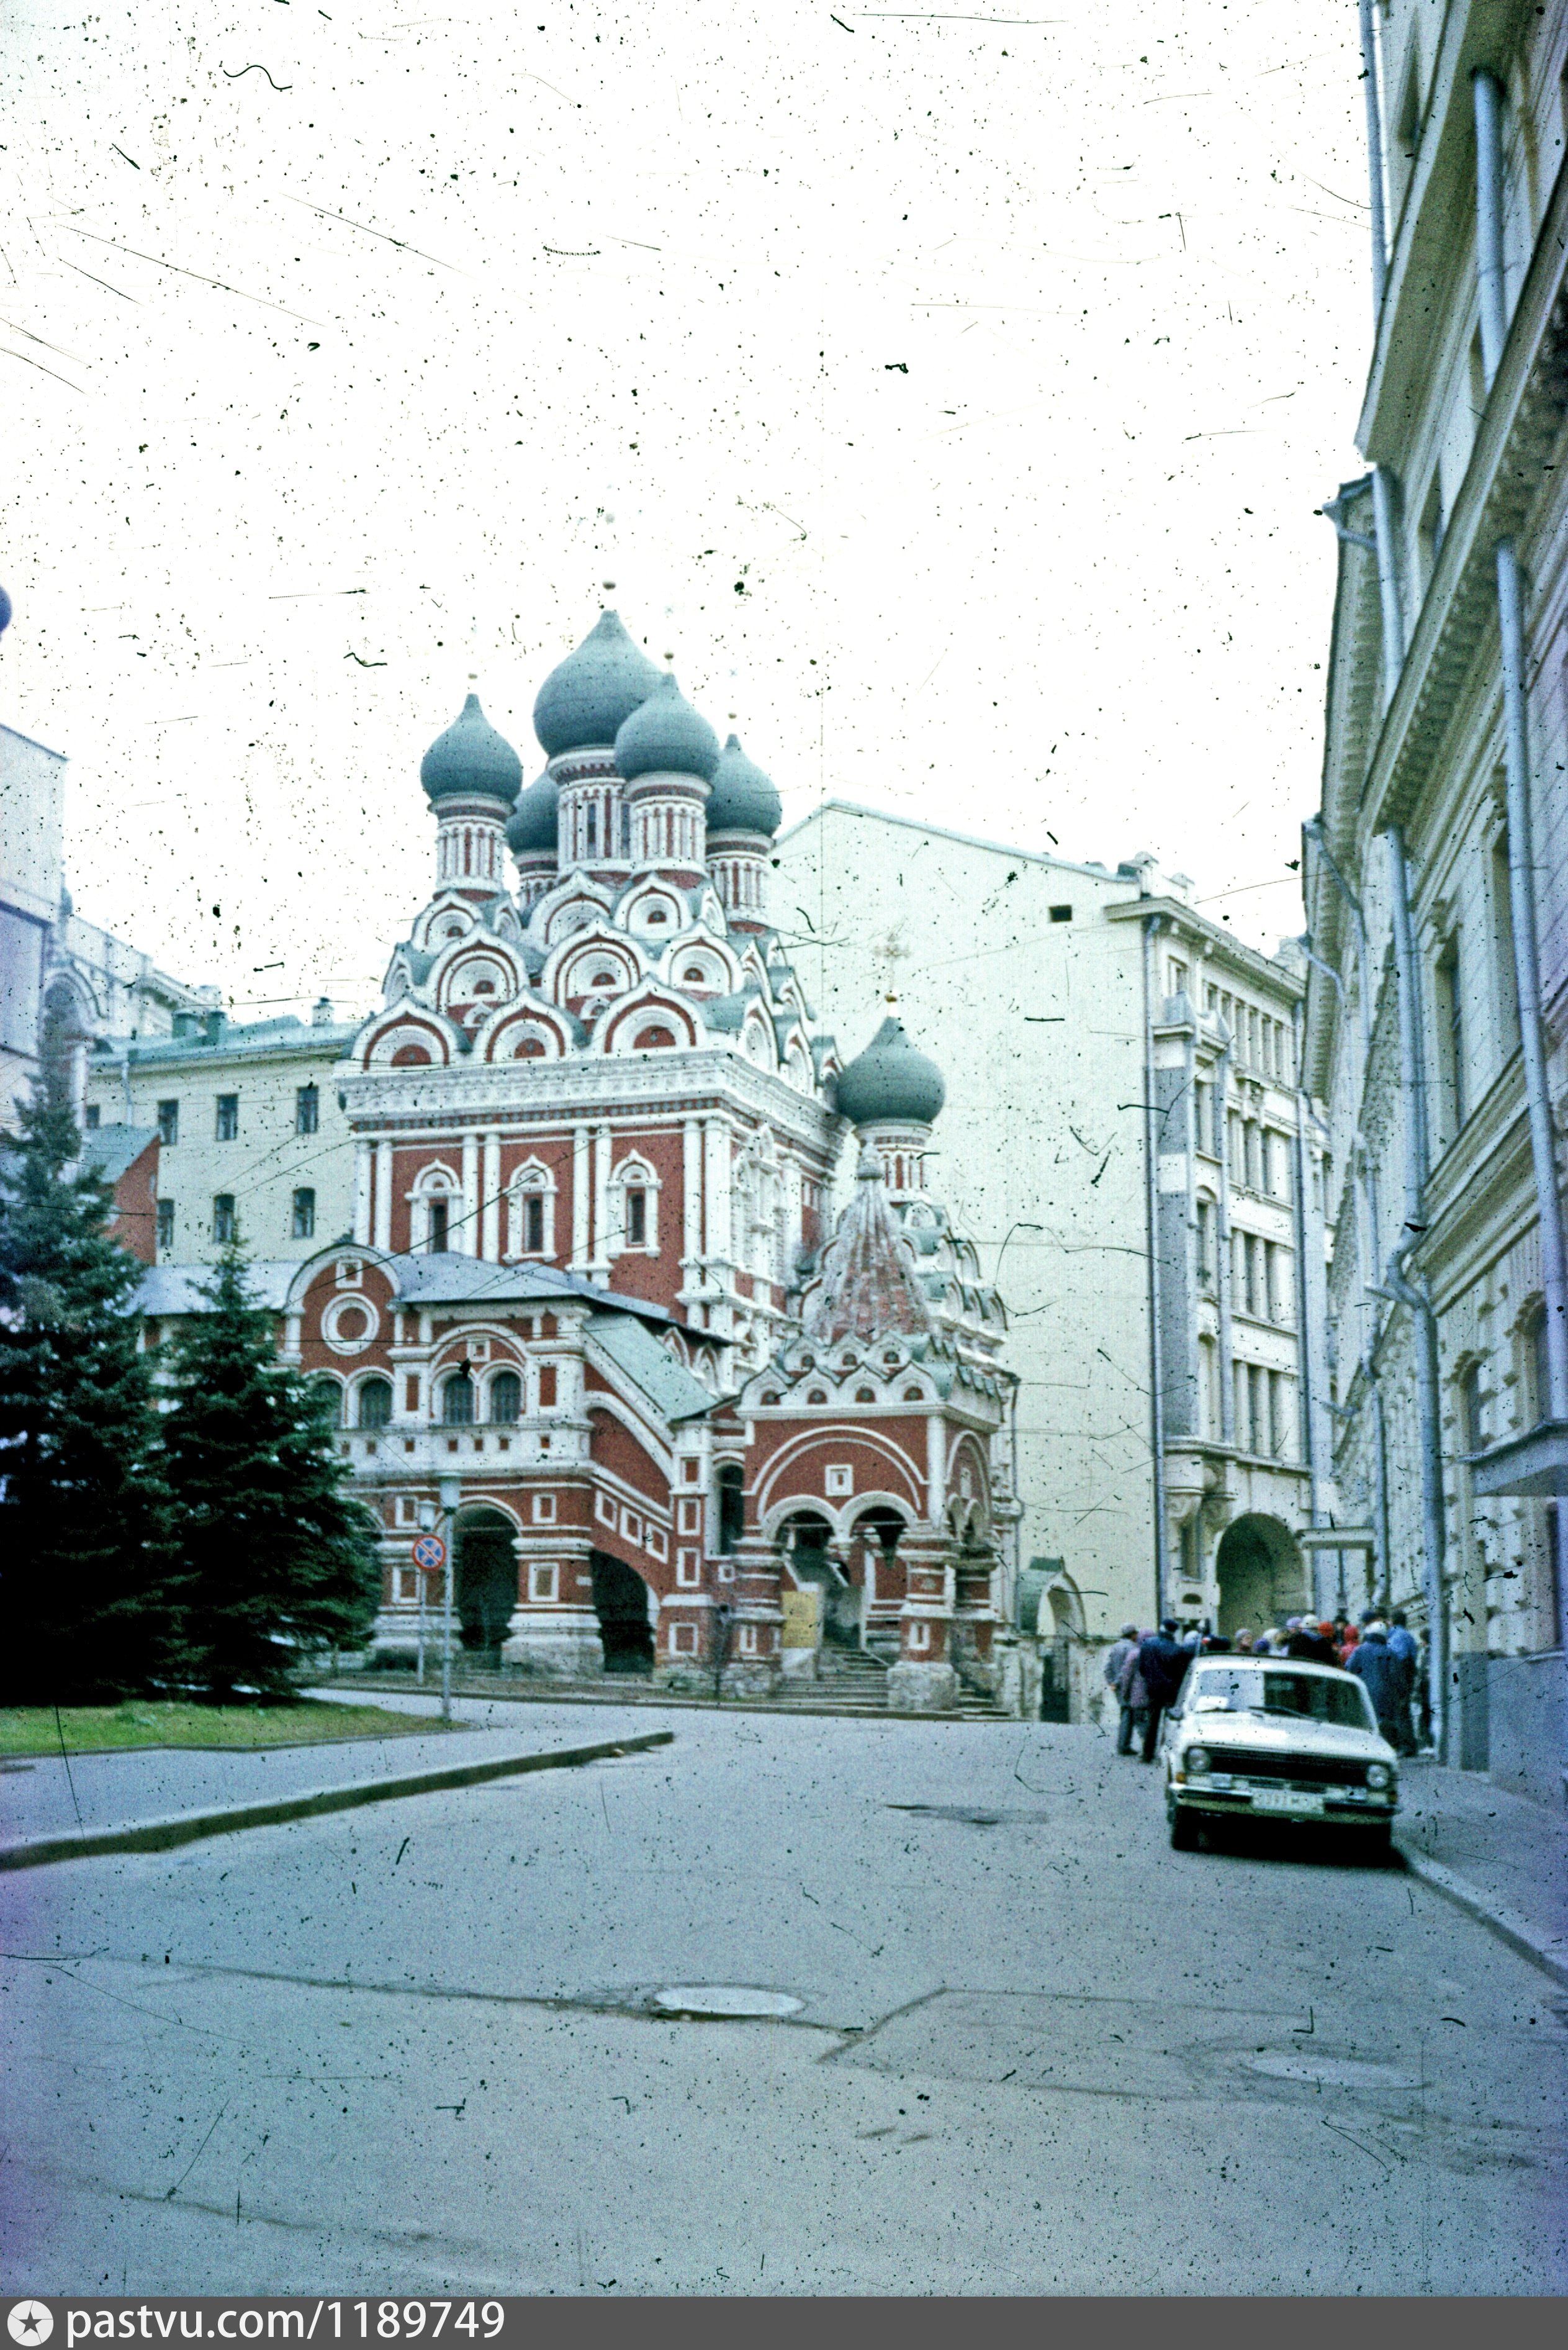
[[1486, 93], [1411, 1291], [1382, 498], [1412, 1056], [1223, 1264], [1370, 86], [1361, 1189], [1304, 1313], [1151, 1208]]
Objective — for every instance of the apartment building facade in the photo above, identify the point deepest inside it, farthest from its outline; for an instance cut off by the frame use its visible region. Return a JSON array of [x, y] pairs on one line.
[[1436, 877]]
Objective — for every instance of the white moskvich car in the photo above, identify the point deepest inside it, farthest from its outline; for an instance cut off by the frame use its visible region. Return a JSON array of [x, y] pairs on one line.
[[1255, 1737]]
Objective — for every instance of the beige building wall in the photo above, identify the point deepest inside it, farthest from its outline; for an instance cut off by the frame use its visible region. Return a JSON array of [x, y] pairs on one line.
[[1011, 973]]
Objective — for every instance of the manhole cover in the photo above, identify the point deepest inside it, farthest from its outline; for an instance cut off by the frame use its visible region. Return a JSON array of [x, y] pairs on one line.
[[1334, 2072], [724, 2000]]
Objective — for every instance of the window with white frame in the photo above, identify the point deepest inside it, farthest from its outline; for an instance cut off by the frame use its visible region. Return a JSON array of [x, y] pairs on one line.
[[634, 1209], [683, 1639], [434, 1206], [531, 1210], [687, 1566], [543, 1579], [544, 1509]]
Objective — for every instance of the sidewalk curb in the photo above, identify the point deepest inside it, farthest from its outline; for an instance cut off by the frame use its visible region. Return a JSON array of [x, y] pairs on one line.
[[1548, 1953], [190, 1828]]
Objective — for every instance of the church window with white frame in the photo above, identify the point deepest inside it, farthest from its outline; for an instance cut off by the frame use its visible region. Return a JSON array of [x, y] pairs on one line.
[[531, 1210], [634, 1209], [430, 1208]]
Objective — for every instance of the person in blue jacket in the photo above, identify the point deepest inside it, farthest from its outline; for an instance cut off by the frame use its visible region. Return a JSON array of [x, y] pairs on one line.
[[1402, 1643], [1387, 1678]]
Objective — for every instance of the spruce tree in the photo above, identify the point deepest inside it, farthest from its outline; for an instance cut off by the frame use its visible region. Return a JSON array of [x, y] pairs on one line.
[[84, 1597], [276, 1557]]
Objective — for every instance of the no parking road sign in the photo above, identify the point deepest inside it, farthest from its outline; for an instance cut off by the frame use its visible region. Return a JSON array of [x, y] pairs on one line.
[[430, 1552]]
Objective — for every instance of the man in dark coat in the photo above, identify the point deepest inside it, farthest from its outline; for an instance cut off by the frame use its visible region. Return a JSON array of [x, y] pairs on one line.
[[1402, 1643], [1308, 1643], [1163, 1662], [1387, 1678]]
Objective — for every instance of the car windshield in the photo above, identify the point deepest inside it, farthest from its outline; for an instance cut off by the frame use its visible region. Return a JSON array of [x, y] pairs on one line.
[[1258, 1689]]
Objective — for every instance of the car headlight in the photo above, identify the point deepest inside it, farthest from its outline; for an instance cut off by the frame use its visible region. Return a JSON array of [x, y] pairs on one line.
[[1378, 1774], [1195, 1762]]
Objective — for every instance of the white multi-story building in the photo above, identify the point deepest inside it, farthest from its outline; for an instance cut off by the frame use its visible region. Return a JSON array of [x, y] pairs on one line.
[[1437, 879], [1120, 1070], [32, 883], [57, 970], [253, 1142]]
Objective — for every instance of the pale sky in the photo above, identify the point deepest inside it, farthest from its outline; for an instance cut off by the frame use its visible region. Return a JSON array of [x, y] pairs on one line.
[[951, 396]]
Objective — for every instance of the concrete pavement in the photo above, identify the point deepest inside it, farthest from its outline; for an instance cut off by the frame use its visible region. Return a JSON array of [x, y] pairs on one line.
[[1037, 2051], [1500, 1853], [47, 1794]]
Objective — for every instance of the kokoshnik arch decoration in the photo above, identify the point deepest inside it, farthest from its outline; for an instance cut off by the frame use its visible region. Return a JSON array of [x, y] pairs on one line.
[[596, 1136]]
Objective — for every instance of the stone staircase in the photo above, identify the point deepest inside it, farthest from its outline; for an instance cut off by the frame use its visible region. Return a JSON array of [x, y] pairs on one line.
[[850, 1682]]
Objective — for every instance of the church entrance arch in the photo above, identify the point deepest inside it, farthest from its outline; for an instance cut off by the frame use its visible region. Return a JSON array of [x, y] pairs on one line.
[[1260, 1574], [807, 1538], [485, 1581], [620, 1601], [876, 1571]]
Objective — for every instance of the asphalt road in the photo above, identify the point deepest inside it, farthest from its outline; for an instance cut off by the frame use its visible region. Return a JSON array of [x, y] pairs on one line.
[[408, 2049]]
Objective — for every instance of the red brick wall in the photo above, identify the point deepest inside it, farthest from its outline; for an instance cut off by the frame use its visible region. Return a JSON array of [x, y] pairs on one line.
[[134, 1223]]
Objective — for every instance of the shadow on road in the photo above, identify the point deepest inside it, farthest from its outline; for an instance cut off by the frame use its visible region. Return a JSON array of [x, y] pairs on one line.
[[1299, 1847]]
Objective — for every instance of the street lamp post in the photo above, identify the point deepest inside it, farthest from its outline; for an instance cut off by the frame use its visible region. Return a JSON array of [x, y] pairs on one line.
[[1017, 1509], [451, 1493]]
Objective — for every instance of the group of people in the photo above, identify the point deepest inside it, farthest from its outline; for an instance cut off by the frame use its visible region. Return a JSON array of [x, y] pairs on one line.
[[1147, 1669]]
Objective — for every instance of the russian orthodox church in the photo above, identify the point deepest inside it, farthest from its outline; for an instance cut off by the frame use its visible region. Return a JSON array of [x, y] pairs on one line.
[[699, 1428]]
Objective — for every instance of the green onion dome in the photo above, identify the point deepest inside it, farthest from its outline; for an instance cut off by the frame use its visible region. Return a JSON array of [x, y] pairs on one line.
[[665, 736], [534, 822], [891, 1081], [585, 701], [471, 760], [743, 798]]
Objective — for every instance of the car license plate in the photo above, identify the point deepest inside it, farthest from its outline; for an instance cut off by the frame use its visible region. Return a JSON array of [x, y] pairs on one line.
[[1285, 1799]]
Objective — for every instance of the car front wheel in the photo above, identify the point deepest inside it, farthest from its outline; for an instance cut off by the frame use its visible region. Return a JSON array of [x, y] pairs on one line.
[[1183, 1826]]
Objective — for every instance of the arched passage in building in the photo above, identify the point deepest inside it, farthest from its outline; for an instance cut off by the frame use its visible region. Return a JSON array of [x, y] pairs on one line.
[[485, 1581], [1065, 1608], [877, 1573], [620, 1599], [1262, 1577], [806, 1538]]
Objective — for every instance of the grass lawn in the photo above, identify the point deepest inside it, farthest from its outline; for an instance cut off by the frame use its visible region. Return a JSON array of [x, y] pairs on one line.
[[151, 1722]]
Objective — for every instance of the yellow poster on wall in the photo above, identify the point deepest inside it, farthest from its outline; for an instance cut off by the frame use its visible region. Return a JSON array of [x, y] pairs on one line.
[[801, 1613]]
